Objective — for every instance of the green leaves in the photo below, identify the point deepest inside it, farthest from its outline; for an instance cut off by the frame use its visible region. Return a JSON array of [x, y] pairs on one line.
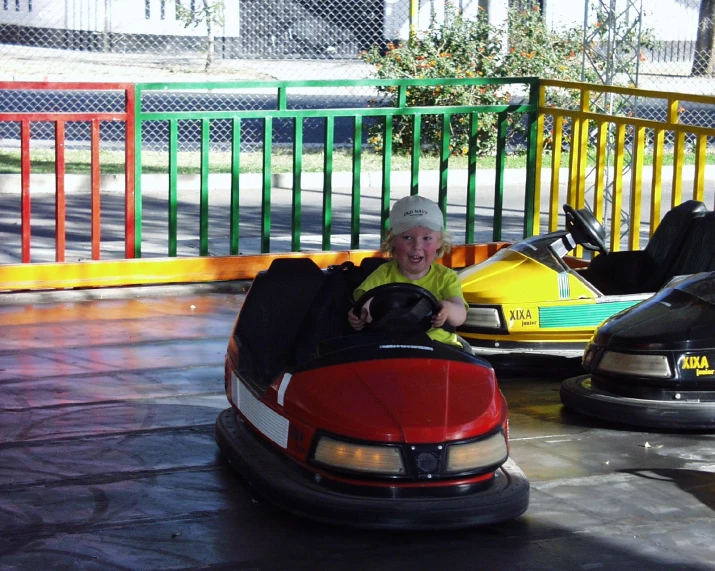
[[456, 46]]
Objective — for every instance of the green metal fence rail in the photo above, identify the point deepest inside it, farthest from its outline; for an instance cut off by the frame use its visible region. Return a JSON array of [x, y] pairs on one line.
[[283, 111]]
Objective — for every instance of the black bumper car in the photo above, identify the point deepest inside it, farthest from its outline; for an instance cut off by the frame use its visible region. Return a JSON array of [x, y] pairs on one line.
[[654, 364]]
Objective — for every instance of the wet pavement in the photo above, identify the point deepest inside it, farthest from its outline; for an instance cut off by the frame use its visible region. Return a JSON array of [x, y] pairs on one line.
[[108, 461]]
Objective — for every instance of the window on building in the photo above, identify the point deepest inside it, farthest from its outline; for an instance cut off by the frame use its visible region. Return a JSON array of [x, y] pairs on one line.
[[147, 9]]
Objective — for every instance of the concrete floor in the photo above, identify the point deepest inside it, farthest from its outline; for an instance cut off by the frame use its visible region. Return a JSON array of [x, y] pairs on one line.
[[108, 461]]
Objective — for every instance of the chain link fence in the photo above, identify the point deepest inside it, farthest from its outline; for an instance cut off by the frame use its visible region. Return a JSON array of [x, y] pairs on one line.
[[229, 40], [183, 40]]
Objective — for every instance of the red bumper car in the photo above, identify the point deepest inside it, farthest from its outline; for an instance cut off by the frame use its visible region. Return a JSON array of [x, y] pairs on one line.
[[382, 429]]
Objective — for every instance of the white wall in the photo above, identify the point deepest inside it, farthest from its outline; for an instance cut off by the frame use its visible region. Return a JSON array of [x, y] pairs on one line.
[[668, 19], [118, 16], [45, 13], [397, 14], [671, 20]]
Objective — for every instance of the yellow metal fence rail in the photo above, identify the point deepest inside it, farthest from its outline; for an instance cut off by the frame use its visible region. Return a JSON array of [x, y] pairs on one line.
[[605, 146]]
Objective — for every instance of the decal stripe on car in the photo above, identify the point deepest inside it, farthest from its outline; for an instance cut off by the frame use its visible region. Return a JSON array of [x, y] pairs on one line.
[[266, 420], [283, 387], [589, 315], [564, 286]]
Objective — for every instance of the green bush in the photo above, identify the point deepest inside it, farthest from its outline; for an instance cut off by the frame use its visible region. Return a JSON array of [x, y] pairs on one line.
[[463, 47]]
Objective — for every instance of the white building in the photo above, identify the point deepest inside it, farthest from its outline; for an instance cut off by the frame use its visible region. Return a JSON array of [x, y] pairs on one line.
[[669, 19], [276, 24], [155, 17]]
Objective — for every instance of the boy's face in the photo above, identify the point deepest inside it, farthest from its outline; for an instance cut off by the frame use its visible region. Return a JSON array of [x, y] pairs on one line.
[[415, 250]]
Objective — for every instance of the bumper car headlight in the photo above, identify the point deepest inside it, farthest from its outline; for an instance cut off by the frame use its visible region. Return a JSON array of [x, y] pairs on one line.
[[370, 459], [471, 456], [635, 365], [483, 317]]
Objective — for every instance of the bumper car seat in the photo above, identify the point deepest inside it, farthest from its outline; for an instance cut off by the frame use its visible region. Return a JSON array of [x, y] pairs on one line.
[[640, 271]]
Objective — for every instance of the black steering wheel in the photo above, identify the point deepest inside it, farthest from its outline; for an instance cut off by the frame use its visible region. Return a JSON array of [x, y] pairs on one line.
[[585, 228], [399, 307]]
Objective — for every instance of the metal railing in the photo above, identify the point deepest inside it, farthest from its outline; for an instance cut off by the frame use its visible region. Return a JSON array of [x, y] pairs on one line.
[[141, 120], [283, 109], [591, 176], [617, 181], [58, 120]]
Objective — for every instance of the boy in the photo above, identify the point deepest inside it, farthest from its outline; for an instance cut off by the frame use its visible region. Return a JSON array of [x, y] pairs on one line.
[[415, 240]]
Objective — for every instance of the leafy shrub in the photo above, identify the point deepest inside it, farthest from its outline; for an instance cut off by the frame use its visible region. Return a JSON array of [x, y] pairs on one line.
[[470, 47]]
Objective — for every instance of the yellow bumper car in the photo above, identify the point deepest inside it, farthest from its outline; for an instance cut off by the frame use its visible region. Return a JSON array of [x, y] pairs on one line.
[[532, 299]]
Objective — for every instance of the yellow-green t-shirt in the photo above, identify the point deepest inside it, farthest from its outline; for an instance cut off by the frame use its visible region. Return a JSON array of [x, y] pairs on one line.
[[441, 281]]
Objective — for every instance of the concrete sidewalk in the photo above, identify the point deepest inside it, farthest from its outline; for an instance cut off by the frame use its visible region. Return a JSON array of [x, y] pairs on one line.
[[30, 63], [155, 211]]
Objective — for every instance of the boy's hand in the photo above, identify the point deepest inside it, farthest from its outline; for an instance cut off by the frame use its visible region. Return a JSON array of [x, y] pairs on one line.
[[451, 311], [439, 318], [358, 322]]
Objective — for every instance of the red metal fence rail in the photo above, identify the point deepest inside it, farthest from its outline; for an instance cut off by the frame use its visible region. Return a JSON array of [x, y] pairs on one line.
[[60, 119]]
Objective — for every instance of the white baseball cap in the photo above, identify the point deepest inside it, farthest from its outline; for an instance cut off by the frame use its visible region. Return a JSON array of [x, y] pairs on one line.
[[415, 212]]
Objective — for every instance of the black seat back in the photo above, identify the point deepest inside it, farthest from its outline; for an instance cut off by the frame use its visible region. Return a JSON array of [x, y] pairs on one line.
[[328, 314], [641, 271], [697, 253], [272, 314], [665, 246]]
